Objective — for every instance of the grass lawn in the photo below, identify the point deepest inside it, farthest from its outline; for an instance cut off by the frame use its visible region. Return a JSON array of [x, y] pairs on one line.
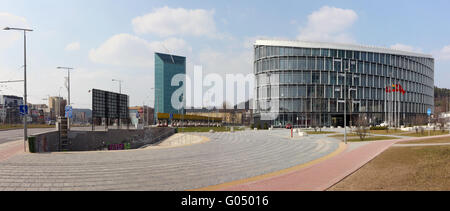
[[425, 133], [388, 132], [372, 138], [207, 129], [428, 141], [342, 135], [319, 132], [402, 169], [352, 137]]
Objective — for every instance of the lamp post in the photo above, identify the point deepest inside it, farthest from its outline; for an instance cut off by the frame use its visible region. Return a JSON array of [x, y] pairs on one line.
[[25, 119], [156, 106], [120, 85], [344, 74], [68, 90], [351, 110]]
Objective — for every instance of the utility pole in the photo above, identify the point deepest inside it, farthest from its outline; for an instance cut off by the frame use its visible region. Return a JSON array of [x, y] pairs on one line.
[[25, 119], [68, 90], [120, 85]]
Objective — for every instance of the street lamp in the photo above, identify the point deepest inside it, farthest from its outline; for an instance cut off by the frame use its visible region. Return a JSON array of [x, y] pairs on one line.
[[351, 110], [68, 90], [25, 119], [120, 84], [157, 107]]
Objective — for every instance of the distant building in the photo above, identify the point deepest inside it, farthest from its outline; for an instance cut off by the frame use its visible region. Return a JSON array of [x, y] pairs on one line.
[[166, 67], [37, 112], [81, 116], [57, 107], [9, 109], [137, 115]]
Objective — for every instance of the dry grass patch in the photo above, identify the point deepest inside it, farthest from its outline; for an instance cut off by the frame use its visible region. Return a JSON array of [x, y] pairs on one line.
[[429, 141], [402, 169], [425, 133]]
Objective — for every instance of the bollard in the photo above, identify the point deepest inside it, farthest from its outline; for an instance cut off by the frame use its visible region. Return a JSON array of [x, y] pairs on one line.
[[31, 144]]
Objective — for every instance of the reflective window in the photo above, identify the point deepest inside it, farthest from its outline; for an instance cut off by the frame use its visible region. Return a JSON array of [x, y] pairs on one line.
[[329, 92], [320, 91], [307, 77], [363, 80], [324, 52], [364, 56], [333, 53], [328, 64], [356, 55], [360, 67], [311, 63], [373, 69], [370, 55], [366, 67], [337, 66], [315, 77], [302, 63], [297, 78], [324, 78], [311, 91], [332, 78], [315, 52], [302, 91], [307, 51], [320, 64], [370, 81]]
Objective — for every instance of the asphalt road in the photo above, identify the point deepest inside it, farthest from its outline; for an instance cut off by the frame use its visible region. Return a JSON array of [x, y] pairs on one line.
[[17, 134], [226, 157], [14, 135]]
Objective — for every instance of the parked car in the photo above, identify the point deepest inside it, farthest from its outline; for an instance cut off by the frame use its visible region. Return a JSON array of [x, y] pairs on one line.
[[51, 122]]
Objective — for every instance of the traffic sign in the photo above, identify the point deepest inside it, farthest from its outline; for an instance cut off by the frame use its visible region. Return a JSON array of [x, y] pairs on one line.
[[429, 111], [23, 110], [68, 112]]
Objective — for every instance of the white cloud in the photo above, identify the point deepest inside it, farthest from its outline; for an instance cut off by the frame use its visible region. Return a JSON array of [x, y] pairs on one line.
[[444, 53], [167, 21], [75, 46], [10, 20], [132, 51], [403, 47], [329, 24]]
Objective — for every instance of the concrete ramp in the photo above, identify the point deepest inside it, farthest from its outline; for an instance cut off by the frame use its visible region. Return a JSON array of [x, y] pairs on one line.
[[179, 140]]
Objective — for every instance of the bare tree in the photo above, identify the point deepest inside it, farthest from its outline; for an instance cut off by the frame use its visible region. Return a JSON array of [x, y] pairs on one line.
[[362, 127]]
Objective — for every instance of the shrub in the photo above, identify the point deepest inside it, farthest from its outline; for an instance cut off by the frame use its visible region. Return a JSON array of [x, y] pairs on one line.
[[266, 126], [252, 126], [378, 128]]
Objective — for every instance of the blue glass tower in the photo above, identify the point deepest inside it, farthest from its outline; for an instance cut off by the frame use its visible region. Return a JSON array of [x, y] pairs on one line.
[[166, 67]]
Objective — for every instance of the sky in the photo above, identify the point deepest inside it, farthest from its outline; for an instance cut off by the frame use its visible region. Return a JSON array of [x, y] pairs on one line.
[[116, 39]]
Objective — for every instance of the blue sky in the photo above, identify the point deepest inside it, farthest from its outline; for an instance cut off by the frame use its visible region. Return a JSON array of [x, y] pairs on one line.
[[103, 39]]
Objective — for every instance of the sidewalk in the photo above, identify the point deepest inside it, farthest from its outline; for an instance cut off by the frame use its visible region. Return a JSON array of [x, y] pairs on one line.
[[9, 149], [323, 175]]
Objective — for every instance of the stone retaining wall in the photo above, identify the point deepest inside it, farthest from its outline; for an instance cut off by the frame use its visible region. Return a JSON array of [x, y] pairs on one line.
[[102, 140]]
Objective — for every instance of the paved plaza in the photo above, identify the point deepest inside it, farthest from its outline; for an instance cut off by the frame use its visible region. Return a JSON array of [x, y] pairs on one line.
[[226, 157]]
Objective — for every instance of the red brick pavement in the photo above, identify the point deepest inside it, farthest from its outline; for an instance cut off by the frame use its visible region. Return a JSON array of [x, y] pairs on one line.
[[9, 150]]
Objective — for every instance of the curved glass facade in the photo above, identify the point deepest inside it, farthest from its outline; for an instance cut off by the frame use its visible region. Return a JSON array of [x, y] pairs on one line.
[[307, 86]]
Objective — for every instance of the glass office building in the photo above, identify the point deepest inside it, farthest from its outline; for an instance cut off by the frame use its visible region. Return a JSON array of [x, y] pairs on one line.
[[166, 67], [309, 83]]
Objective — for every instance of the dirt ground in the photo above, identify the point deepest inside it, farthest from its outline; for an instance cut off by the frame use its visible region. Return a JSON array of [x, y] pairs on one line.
[[402, 169]]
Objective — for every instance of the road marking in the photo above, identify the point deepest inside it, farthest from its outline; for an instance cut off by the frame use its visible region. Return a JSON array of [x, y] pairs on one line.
[[340, 149]]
